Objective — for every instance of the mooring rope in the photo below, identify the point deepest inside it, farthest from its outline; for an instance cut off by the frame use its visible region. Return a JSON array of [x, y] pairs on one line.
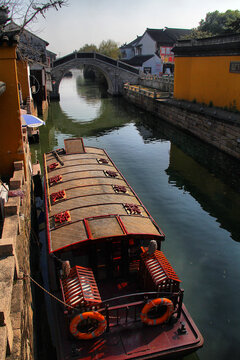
[[47, 292]]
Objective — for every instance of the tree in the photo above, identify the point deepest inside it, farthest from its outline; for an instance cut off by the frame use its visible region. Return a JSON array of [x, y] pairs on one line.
[[218, 23], [196, 34], [89, 48], [25, 11], [234, 26], [109, 48]]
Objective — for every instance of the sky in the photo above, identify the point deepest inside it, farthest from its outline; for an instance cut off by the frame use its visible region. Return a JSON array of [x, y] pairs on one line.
[[91, 21]]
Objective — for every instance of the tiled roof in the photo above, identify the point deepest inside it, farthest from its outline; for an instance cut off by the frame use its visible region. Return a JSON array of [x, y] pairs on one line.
[[138, 60], [167, 36], [132, 43], [226, 44], [13, 26]]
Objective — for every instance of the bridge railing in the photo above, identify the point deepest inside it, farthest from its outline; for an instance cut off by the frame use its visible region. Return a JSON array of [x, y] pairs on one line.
[[64, 59], [106, 59], [93, 55], [82, 55]]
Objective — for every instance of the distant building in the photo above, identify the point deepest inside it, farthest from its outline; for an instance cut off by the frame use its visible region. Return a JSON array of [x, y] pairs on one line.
[[33, 49], [155, 42], [148, 64], [128, 50], [208, 70]]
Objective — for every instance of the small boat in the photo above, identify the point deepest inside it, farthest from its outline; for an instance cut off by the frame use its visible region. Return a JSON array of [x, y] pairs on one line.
[[116, 294]]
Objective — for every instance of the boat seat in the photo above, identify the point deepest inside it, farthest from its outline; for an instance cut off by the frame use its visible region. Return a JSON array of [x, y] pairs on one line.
[[80, 288]]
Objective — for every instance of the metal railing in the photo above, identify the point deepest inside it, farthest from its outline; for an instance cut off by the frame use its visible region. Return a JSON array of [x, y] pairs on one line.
[[130, 311]]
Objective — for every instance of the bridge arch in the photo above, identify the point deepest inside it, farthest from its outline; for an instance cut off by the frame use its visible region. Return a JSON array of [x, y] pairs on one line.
[[115, 72]]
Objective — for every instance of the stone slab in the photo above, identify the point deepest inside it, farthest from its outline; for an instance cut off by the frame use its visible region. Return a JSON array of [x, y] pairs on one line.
[[17, 180], [12, 206], [7, 267], [10, 226], [18, 165], [7, 246], [9, 334], [16, 351], [17, 297], [3, 342]]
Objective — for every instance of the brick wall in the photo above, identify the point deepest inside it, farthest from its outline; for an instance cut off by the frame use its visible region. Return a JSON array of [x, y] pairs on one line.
[[214, 126]]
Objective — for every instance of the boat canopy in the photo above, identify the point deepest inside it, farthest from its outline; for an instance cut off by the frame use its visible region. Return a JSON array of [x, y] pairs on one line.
[[88, 199]]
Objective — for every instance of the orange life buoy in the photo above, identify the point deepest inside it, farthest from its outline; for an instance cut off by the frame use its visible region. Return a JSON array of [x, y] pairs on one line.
[[153, 303], [88, 315]]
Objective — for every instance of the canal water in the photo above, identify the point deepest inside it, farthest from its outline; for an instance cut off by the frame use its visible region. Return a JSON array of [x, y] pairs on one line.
[[190, 189]]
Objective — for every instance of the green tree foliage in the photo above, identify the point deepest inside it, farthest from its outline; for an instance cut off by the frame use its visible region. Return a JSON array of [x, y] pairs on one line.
[[109, 48], [196, 34], [89, 48], [235, 25], [216, 23]]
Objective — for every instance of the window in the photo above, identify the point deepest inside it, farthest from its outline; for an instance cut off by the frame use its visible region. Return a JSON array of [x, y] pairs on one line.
[[139, 51], [147, 70], [162, 50]]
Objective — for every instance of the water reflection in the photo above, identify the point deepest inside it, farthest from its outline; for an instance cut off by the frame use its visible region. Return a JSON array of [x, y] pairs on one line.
[[201, 170], [74, 96], [211, 193]]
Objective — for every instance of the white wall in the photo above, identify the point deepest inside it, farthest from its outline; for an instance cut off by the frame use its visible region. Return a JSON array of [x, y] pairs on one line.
[[129, 53], [155, 63], [148, 45]]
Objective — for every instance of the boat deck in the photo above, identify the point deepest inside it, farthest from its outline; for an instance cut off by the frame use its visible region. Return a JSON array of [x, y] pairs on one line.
[[132, 340]]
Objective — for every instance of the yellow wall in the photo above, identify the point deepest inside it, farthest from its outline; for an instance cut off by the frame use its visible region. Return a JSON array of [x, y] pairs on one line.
[[207, 79], [11, 143]]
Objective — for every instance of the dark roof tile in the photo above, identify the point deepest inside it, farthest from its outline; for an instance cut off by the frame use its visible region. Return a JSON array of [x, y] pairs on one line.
[[167, 36], [138, 60]]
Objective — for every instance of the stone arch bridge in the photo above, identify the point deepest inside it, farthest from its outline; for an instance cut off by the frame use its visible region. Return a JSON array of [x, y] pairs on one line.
[[116, 72]]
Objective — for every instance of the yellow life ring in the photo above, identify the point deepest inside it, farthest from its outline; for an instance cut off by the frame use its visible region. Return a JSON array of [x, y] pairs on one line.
[[88, 315], [153, 303]]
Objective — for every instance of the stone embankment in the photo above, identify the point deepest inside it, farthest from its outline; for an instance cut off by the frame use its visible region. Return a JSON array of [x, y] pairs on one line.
[[16, 307], [163, 83], [213, 125]]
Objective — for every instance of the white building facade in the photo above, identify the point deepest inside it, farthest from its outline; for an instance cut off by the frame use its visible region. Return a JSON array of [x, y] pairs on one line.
[[155, 42]]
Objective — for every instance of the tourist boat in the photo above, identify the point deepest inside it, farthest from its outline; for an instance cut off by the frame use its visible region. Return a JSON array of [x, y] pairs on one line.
[[116, 296]]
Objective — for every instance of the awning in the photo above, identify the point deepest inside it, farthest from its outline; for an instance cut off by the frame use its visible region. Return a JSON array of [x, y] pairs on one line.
[[31, 121]]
